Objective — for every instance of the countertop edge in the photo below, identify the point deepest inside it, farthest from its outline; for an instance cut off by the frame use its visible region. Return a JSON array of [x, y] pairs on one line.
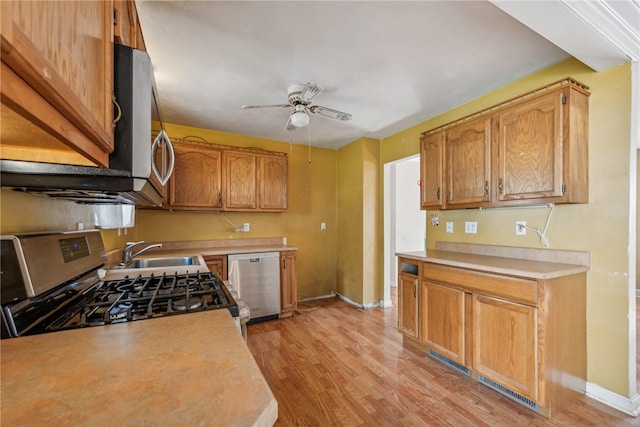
[[492, 264]]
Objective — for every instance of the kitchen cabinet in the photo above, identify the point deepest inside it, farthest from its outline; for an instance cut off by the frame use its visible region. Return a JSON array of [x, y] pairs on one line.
[[126, 26], [515, 325], [218, 265], [542, 149], [57, 81], [442, 324], [288, 283], [196, 182], [273, 179], [210, 177], [431, 176], [408, 290], [240, 185], [530, 150], [468, 167], [505, 339]]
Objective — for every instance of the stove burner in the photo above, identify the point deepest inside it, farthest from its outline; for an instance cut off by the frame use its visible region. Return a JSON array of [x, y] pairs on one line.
[[132, 299], [181, 305]]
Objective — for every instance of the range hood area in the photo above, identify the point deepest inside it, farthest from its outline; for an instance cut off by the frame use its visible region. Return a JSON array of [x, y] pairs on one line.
[[131, 178]]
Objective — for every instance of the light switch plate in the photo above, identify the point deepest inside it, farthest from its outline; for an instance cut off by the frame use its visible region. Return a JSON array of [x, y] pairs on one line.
[[449, 226], [471, 227]]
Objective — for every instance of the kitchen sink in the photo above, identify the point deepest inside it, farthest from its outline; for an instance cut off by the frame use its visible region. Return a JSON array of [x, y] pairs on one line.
[[162, 262]]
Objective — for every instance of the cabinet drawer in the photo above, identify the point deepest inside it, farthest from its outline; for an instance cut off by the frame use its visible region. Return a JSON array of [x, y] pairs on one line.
[[515, 289]]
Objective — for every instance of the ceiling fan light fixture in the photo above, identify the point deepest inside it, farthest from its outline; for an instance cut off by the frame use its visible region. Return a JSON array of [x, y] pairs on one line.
[[299, 118]]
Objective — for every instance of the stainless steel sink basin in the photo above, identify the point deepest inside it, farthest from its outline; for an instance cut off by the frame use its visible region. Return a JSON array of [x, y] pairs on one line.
[[162, 262]]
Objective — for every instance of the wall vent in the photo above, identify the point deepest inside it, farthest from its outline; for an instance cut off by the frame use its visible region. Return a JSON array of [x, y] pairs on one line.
[[458, 367], [510, 393]]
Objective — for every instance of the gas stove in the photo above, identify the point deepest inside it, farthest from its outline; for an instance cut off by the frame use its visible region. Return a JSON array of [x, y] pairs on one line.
[[50, 283]]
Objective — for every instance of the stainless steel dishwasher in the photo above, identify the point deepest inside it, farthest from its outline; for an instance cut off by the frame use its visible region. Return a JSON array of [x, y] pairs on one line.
[[256, 279]]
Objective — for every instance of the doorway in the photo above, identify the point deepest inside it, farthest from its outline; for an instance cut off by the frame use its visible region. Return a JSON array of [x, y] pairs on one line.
[[404, 221]]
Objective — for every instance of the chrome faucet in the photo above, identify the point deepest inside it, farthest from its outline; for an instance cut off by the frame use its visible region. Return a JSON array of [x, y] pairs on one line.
[[127, 257]]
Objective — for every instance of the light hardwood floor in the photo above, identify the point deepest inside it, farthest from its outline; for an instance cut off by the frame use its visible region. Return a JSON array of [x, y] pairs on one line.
[[338, 365]]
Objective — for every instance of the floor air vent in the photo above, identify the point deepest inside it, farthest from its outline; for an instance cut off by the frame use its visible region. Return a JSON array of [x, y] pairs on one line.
[[451, 363], [510, 393]]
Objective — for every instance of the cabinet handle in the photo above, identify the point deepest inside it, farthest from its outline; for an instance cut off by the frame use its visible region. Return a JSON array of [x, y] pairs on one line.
[[438, 194], [167, 150], [486, 189], [500, 185], [415, 291], [220, 199]]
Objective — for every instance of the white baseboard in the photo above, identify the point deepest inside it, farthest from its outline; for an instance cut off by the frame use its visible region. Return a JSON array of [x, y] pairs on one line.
[[355, 304], [385, 304], [628, 405]]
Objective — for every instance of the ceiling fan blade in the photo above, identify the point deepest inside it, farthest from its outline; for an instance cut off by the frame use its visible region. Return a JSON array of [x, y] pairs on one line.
[[267, 106], [329, 112], [310, 91]]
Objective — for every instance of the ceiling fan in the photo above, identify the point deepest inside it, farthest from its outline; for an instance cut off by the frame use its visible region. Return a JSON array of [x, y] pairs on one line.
[[300, 97]]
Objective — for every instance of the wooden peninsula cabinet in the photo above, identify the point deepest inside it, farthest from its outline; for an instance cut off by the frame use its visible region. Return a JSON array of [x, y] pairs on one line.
[[532, 149], [514, 319], [408, 290], [288, 283], [57, 81]]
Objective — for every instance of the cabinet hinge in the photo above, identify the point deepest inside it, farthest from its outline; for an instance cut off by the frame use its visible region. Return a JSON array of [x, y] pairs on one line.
[[564, 188], [564, 99]]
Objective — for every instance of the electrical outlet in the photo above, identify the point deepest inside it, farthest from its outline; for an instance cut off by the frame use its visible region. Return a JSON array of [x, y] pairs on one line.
[[245, 227], [521, 228], [471, 227], [323, 226], [449, 227]]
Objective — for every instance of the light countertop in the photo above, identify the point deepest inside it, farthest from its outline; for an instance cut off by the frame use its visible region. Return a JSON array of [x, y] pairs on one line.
[[190, 369], [524, 262]]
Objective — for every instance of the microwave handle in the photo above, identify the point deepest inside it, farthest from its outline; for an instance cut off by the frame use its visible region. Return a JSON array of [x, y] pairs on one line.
[[162, 137]]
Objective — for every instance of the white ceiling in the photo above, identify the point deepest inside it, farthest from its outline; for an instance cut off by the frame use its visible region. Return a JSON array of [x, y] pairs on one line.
[[390, 64]]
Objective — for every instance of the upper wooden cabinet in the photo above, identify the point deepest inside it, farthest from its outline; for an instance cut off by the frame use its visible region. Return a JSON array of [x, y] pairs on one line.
[[126, 25], [57, 81], [431, 177], [196, 182], [273, 181], [530, 150], [211, 177], [240, 181], [468, 162]]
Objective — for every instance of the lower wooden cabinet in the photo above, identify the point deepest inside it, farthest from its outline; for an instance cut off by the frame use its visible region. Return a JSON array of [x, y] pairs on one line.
[[443, 320], [288, 283], [522, 336], [408, 291], [505, 340], [217, 264]]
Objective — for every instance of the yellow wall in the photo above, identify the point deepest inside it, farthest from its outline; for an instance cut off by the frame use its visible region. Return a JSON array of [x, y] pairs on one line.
[[358, 210], [599, 227], [312, 189]]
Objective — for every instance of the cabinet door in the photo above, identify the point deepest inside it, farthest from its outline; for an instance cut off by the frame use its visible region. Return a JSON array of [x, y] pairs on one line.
[[431, 178], [273, 179], [126, 28], [288, 283], [408, 305], [196, 179], [530, 161], [468, 162], [217, 264], [443, 320], [240, 181], [57, 75], [505, 344]]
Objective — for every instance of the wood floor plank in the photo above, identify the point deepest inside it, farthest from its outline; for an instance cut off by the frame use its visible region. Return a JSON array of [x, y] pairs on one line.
[[338, 365]]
